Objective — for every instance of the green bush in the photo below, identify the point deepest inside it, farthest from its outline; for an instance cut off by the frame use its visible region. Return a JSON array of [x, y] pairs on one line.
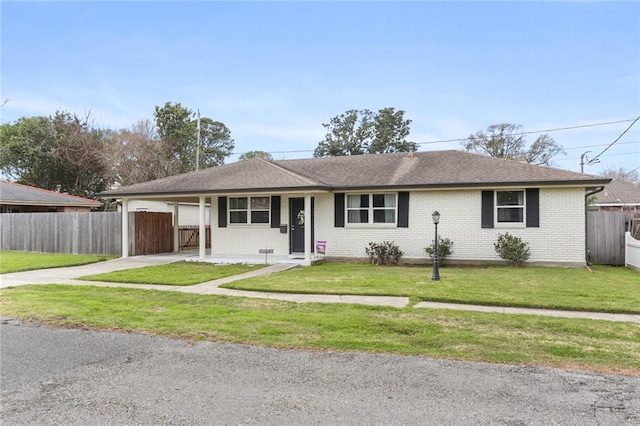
[[512, 249], [444, 249], [384, 253]]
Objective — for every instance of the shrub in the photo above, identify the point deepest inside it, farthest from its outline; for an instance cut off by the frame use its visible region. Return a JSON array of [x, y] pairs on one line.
[[444, 249], [384, 253], [512, 249]]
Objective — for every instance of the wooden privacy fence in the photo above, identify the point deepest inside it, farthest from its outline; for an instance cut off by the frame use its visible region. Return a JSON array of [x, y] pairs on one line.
[[150, 233], [190, 237], [605, 237], [77, 233]]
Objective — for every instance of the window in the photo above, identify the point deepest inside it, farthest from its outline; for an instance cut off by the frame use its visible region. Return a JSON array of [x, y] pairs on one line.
[[515, 208], [249, 210], [510, 206], [371, 208]]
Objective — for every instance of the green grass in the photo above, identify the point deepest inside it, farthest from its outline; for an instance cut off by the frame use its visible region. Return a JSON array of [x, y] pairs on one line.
[[523, 339], [179, 273], [606, 289], [17, 261]]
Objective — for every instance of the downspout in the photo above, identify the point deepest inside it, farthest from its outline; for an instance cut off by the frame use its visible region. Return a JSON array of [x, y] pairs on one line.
[[586, 225]]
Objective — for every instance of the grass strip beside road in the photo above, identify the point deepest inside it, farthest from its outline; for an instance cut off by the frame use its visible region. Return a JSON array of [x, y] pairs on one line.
[[472, 336], [178, 273], [18, 261], [606, 289]]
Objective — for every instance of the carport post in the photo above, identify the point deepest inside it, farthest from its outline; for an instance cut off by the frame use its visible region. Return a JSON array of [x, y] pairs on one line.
[[203, 240], [307, 227], [125, 227], [176, 227]]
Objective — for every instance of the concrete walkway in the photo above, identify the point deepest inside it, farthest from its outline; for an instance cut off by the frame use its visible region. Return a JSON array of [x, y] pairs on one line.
[[69, 275]]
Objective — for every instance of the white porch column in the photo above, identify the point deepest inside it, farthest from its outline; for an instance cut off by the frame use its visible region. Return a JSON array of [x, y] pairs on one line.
[[211, 218], [125, 228], [307, 227], [203, 241], [176, 227]]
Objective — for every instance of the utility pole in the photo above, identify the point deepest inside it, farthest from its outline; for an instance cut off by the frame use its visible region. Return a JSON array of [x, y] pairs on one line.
[[583, 161], [582, 158], [198, 144]]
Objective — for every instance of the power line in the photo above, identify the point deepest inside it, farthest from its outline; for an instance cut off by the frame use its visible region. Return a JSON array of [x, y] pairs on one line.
[[600, 144], [617, 139], [628, 173], [609, 155], [557, 129]]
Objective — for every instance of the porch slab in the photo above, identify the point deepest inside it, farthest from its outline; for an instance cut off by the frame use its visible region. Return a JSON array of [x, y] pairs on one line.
[[254, 259]]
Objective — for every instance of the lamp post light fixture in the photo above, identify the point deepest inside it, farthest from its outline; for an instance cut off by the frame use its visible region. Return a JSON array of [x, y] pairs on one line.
[[436, 263]]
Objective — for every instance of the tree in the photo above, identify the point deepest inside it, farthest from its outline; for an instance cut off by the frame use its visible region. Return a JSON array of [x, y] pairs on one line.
[[505, 141], [60, 153], [137, 154], [25, 151], [255, 154], [177, 128], [216, 143], [357, 132], [390, 131], [622, 174]]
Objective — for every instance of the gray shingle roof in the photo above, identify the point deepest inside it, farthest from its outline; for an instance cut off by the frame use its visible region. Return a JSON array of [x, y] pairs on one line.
[[432, 169], [17, 194], [619, 192]]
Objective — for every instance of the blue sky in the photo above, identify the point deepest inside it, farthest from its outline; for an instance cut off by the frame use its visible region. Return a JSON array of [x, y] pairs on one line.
[[273, 72]]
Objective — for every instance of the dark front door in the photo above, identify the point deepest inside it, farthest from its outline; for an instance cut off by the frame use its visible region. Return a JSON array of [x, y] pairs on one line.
[[296, 219]]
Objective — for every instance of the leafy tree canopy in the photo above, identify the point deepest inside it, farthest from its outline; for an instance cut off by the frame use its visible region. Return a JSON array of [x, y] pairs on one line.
[[255, 154], [506, 141], [62, 153], [176, 126], [357, 132]]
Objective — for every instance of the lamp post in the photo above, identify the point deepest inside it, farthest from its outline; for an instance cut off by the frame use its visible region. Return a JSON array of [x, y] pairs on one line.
[[436, 263]]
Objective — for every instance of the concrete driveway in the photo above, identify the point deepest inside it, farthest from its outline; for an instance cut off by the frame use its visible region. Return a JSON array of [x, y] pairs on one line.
[[77, 377]]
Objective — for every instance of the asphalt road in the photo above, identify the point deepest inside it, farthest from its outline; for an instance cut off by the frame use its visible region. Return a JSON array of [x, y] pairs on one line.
[[76, 377]]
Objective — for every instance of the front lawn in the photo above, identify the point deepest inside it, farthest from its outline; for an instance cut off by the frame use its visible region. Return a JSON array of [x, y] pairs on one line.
[[606, 289], [179, 273], [472, 336], [17, 261]]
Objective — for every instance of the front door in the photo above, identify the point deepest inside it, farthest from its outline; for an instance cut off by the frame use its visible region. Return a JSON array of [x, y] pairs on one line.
[[296, 219]]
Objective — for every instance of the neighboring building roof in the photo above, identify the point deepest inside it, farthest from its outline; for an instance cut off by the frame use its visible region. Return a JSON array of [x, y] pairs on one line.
[[23, 195], [618, 193], [432, 169]]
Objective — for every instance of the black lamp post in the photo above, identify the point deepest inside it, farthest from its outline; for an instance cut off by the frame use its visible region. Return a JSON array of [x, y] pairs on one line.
[[436, 263]]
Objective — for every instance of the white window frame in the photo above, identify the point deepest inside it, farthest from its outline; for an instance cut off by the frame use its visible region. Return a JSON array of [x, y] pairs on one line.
[[249, 210], [370, 210], [497, 208]]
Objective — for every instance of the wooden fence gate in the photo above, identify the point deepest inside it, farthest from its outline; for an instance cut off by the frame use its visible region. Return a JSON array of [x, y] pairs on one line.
[[605, 237], [152, 233], [190, 237]]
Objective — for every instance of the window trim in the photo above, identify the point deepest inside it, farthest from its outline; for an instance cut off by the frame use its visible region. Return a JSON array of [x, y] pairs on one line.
[[249, 210], [370, 210], [496, 208]]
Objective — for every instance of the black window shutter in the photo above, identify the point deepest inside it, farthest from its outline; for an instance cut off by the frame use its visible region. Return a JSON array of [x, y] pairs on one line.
[[533, 208], [222, 212], [339, 210], [403, 209], [275, 211], [487, 209]]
